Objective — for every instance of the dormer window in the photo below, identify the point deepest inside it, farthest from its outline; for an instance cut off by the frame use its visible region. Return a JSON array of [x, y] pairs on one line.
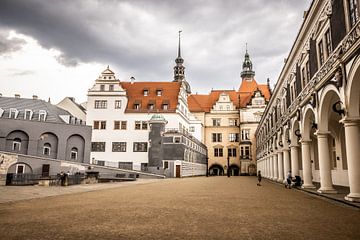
[[42, 115], [136, 106], [146, 92], [151, 106], [13, 113], [111, 88], [165, 106], [102, 87], [28, 114], [158, 92]]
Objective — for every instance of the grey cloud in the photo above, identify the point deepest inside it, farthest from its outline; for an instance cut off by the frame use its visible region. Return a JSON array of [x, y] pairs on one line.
[[9, 45], [140, 37]]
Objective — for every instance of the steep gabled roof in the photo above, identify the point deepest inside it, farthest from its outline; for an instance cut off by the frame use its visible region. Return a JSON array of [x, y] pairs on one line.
[[205, 102], [135, 94]]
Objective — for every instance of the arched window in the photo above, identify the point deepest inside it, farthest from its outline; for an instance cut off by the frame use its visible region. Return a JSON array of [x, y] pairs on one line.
[[16, 146], [47, 149], [74, 153]]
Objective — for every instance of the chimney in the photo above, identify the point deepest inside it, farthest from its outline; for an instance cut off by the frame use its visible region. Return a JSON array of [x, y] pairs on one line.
[[132, 80], [35, 97], [17, 95]]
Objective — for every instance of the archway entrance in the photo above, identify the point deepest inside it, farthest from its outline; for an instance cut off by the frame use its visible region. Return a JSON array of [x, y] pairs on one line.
[[216, 170], [20, 173], [234, 170]]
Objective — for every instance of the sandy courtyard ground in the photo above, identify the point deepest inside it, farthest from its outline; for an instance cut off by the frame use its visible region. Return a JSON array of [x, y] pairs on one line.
[[190, 208]]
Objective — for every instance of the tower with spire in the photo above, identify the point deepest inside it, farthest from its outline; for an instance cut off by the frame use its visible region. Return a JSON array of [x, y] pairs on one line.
[[179, 69], [247, 72]]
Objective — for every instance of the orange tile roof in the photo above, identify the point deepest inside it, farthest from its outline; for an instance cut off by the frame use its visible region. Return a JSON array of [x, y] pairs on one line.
[[204, 102], [135, 94]]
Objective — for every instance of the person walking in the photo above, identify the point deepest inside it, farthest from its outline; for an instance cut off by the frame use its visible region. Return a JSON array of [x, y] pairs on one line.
[[259, 178]]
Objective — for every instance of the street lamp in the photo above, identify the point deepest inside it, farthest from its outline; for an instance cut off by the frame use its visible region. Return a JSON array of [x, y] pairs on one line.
[[228, 167], [207, 166]]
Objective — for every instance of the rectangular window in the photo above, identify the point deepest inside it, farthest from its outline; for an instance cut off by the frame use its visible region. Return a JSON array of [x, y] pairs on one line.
[[100, 104], [99, 125], [117, 104], [216, 121], [218, 152], [126, 165], [233, 137], [98, 146], [158, 93], [146, 92], [140, 146], [321, 52], [119, 146], [102, 87], [177, 139], [217, 137], [165, 106], [328, 42], [233, 122], [137, 125], [151, 106], [231, 152], [136, 106], [245, 152], [353, 12], [111, 88], [123, 125], [191, 129], [245, 134], [144, 125]]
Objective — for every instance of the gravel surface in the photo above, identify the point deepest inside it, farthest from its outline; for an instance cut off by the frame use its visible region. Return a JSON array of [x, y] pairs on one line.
[[189, 208]]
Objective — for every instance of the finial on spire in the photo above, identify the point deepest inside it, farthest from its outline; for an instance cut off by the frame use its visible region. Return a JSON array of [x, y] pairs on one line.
[[179, 51], [246, 47], [108, 67]]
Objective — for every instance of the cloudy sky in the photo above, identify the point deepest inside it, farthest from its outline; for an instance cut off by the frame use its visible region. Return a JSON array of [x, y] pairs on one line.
[[58, 48]]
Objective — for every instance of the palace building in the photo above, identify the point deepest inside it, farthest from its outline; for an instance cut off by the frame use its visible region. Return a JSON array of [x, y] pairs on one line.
[[229, 119], [120, 111], [311, 125]]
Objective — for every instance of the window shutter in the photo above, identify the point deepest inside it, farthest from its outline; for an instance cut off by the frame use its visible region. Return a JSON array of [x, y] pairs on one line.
[[337, 22], [313, 58]]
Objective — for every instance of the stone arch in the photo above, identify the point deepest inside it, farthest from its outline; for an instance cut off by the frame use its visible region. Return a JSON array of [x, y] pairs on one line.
[[329, 96], [294, 126], [13, 168], [308, 119], [51, 139], [216, 170], [234, 169], [78, 142], [353, 89], [18, 135]]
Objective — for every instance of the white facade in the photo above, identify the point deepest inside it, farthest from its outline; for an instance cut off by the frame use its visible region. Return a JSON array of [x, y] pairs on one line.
[[108, 88]]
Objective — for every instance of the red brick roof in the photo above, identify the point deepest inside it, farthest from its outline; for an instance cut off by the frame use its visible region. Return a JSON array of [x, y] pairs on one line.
[[204, 102], [135, 94]]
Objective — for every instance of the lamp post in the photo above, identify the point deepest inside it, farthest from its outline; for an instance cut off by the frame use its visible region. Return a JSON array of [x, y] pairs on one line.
[[207, 166], [228, 167]]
